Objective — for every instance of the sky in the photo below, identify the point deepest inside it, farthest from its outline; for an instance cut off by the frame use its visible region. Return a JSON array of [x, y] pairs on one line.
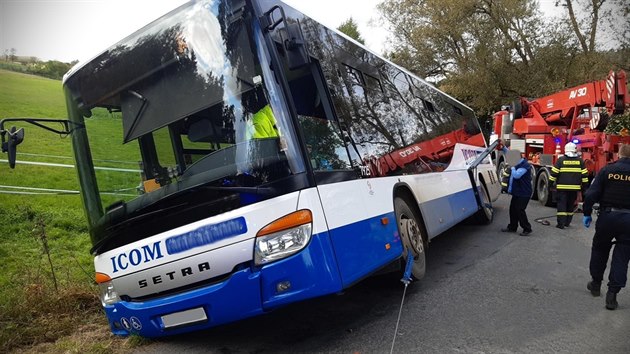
[[68, 30]]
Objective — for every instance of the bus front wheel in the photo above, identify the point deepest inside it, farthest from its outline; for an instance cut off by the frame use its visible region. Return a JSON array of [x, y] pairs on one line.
[[413, 236]]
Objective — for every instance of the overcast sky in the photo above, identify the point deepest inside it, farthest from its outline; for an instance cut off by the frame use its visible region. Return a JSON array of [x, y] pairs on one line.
[[66, 30]]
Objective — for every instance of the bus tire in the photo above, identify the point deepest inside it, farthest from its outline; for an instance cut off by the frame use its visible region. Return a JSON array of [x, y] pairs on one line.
[[543, 189], [500, 167], [413, 236], [484, 215]]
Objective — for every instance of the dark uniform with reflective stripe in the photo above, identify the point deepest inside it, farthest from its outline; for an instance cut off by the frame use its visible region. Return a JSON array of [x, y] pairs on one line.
[[570, 175], [611, 188]]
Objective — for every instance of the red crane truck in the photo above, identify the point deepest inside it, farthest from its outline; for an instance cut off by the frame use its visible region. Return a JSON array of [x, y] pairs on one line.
[[541, 127]]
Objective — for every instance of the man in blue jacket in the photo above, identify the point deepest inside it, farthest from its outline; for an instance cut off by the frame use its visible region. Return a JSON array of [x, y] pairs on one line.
[[520, 187]]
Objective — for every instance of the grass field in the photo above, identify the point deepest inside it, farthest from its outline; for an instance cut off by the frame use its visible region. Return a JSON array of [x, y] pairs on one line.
[[48, 300]]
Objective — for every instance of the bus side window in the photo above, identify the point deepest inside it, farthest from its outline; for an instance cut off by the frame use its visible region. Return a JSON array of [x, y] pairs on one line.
[[326, 147]]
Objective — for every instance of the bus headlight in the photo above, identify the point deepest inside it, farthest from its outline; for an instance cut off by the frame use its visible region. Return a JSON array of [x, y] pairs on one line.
[[283, 237], [108, 295]]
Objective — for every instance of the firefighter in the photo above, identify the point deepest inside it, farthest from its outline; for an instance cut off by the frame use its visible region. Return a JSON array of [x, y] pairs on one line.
[[570, 176], [611, 188]]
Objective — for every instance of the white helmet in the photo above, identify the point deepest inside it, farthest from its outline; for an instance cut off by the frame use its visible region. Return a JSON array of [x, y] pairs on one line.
[[570, 149]]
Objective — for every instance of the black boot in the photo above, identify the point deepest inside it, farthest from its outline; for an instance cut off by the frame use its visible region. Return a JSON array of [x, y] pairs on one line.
[[594, 287], [611, 301]]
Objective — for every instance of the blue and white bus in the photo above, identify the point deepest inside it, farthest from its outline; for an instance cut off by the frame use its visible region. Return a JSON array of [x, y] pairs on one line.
[[278, 160]]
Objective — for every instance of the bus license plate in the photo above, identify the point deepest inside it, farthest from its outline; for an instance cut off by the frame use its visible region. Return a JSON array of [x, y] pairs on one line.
[[184, 318]]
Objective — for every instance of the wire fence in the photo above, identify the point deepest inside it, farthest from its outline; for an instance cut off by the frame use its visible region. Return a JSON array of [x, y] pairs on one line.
[[26, 190]]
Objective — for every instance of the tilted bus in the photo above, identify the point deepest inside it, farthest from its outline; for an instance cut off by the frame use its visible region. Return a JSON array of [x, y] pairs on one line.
[[363, 163]]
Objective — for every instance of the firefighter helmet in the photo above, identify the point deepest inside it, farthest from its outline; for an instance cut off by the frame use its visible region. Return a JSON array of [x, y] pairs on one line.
[[570, 149]]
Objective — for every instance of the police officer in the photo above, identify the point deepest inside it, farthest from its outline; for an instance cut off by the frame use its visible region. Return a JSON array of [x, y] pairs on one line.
[[570, 175], [611, 188]]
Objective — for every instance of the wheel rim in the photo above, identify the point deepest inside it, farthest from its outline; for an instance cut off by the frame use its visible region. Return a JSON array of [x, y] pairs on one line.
[[413, 236]]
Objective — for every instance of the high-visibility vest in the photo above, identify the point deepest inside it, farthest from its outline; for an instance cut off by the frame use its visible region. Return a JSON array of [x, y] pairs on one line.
[[264, 124], [569, 174]]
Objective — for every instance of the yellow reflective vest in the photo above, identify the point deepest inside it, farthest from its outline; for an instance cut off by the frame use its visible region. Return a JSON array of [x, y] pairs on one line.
[[569, 174], [264, 124]]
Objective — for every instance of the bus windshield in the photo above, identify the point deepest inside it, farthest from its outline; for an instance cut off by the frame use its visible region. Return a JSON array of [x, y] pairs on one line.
[[203, 123]]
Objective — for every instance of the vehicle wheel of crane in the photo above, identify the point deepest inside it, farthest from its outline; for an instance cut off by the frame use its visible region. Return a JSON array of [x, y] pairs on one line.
[[502, 166], [534, 191], [413, 236], [484, 215], [542, 189], [599, 122]]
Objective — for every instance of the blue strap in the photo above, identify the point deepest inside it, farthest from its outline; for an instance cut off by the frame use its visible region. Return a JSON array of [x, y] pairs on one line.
[[407, 275]]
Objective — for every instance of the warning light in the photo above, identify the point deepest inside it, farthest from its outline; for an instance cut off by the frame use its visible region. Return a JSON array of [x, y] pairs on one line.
[[624, 132], [575, 141], [555, 132]]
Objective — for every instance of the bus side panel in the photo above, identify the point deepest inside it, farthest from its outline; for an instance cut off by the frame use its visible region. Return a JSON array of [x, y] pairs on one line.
[[444, 199], [365, 246], [363, 231], [443, 213], [309, 273]]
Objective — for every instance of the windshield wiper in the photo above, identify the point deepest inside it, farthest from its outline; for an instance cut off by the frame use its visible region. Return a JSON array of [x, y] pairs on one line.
[[138, 114]]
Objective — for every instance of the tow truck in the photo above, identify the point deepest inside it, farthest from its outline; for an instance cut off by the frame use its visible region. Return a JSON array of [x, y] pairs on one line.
[[541, 127]]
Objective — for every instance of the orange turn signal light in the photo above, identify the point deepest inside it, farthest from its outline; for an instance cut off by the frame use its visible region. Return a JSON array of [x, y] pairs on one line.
[[102, 278], [289, 221]]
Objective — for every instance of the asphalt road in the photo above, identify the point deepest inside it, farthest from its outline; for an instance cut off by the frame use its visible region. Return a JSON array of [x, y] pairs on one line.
[[485, 292]]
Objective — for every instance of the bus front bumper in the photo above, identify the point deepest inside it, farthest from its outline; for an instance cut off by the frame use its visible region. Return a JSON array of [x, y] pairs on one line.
[[236, 298]]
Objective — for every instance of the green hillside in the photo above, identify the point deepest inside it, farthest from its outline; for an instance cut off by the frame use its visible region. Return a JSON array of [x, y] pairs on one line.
[[46, 287]]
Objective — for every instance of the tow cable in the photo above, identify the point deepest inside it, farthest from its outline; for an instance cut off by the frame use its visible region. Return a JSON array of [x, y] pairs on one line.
[[406, 279], [541, 220]]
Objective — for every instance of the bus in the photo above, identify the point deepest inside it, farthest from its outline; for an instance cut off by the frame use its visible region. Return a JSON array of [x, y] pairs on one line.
[[272, 159]]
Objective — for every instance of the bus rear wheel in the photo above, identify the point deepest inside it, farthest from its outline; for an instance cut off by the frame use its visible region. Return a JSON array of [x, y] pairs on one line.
[[413, 237], [484, 215]]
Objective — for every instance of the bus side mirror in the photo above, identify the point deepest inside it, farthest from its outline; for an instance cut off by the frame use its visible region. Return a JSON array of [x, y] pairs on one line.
[[297, 56], [14, 138], [294, 47]]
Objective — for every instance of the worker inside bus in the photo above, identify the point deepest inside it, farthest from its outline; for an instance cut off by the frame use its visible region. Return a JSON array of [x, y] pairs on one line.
[[263, 122], [263, 155]]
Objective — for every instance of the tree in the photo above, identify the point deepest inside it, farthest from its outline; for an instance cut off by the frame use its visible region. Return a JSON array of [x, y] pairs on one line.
[[351, 29], [591, 21], [479, 50], [488, 52], [12, 52]]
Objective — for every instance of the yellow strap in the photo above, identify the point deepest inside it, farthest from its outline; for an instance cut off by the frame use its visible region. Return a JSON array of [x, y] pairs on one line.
[[564, 213], [571, 169], [568, 187]]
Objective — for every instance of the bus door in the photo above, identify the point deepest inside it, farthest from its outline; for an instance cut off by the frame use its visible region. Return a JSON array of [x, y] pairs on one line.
[[357, 236]]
